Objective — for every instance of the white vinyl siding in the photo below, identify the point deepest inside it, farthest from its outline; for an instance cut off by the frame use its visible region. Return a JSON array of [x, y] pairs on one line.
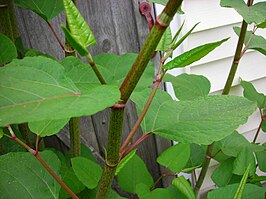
[[217, 23]]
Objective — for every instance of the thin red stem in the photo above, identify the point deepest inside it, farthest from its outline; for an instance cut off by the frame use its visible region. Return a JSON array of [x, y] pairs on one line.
[[135, 145], [248, 42], [142, 115], [259, 127], [35, 153]]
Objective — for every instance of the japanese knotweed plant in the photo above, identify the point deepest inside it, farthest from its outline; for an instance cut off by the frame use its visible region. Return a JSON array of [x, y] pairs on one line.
[[37, 89]]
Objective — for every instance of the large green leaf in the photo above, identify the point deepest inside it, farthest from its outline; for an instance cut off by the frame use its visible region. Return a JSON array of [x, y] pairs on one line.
[[78, 27], [47, 127], [189, 87], [252, 94], [184, 187], [257, 42], [223, 174], [47, 9], [165, 41], [36, 88], [71, 180], [133, 173], [124, 161], [254, 14], [250, 191], [201, 121], [8, 49], [193, 55], [87, 171], [23, 176], [116, 68], [175, 158], [244, 159]]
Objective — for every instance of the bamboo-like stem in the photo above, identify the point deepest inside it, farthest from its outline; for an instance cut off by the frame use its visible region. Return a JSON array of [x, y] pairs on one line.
[[127, 87], [204, 169], [95, 69], [142, 115], [74, 134], [237, 56], [35, 153]]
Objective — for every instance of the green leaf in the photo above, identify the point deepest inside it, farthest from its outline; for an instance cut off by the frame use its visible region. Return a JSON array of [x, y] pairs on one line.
[[201, 121], [250, 191], [193, 55], [175, 157], [176, 194], [263, 125], [257, 42], [241, 187], [78, 27], [47, 9], [82, 50], [262, 25], [36, 88], [184, 187], [242, 162], [23, 176], [8, 50], [144, 192], [189, 86], [261, 159], [87, 171], [252, 94], [71, 180], [165, 41], [47, 127], [233, 144], [223, 174], [253, 14], [86, 153], [33, 53], [197, 156], [180, 41], [124, 161], [133, 173], [1, 133], [116, 68]]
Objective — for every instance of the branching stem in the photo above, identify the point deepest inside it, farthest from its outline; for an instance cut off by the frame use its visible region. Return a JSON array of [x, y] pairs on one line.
[[259, 127]]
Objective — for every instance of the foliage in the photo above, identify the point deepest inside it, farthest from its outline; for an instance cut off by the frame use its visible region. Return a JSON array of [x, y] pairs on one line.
[[45, 93]]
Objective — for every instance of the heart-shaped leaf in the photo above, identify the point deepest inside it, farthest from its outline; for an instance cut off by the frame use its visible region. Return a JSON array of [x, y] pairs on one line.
[[47, 9], [202, 120], [36, 88]]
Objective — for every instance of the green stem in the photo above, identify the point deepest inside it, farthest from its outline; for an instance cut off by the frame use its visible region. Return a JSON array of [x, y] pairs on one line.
[[74, 133], [238, 55], [204, 169], [127, 87], [95, 69]]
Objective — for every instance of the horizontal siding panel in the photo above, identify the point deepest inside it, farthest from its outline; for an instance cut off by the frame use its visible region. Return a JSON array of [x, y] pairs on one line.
[[252, 67], [209, 13]]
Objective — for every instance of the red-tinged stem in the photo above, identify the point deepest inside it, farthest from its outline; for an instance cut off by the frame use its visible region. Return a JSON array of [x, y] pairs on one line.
[[248, 42], [57, 37], [35, 153], [259, 127], [142, 115], [135, 145]]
